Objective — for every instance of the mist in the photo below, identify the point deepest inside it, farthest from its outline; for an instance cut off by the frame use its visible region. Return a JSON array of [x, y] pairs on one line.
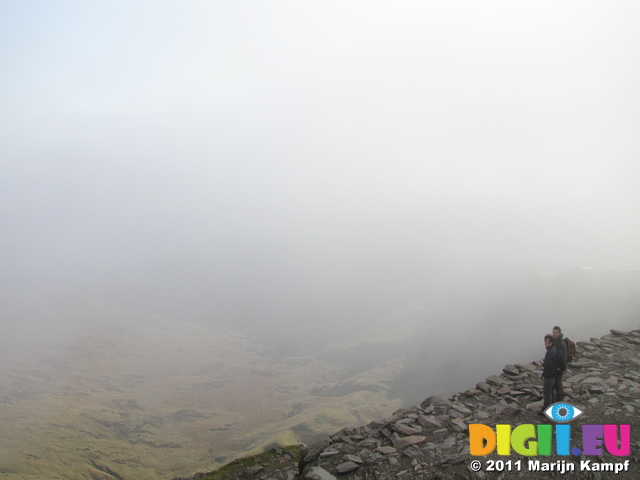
[[283, 167], [222, 221]]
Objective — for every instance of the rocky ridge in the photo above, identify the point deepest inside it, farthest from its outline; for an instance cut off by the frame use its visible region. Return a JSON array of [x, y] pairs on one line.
[[431, 441]]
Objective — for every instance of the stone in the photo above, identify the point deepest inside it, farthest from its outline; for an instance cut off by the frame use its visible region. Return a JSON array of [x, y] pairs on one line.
[[495, 380], [315, 451], [453, 459], [460, 408], [511, 370], [458, 425], [429, 409], [394, 418], [535, 405], [406, 420], [456, 414], [405, 430], [386, 450], [510, 411], [618, 332], [354, 459], [407, 441], [484, 387], [329, 453], [346, 467], [426, 420], [438, 401], [482, 415], [319, 473], [412, 451]]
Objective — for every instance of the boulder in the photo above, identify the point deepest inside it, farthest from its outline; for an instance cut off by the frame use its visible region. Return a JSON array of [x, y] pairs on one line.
[[318, 473]]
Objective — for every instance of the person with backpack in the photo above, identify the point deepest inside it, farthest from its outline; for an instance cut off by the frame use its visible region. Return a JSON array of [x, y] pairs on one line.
[[561, 358], [549, 372]]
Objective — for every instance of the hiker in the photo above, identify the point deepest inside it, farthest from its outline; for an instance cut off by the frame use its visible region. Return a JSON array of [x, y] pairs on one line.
[[561, 356], [549, 372]]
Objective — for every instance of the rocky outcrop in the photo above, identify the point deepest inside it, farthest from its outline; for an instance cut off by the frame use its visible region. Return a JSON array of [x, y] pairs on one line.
[[431, 441]]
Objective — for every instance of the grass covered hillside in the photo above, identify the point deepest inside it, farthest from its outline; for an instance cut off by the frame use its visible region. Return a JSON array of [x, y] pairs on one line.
[[91, 390]]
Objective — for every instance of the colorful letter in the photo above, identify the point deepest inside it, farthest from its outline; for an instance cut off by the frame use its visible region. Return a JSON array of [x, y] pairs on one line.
[[482, 439], [611, 440], [563, 439], [544, 439], [592, 436], [522, 435], [503, 432]]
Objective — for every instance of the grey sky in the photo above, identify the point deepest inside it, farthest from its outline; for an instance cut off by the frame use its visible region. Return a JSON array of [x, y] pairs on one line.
[[338, 149]]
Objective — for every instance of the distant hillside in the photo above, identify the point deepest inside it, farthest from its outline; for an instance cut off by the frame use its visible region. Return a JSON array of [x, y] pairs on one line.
[[431, 441], [88, 386], [94, 390]]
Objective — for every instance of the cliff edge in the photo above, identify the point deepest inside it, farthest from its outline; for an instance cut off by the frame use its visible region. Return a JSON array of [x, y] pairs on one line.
[[431, 441]]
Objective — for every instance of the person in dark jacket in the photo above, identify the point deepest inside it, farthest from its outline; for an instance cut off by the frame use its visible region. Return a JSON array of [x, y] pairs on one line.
[[561, 353], [549, 372]]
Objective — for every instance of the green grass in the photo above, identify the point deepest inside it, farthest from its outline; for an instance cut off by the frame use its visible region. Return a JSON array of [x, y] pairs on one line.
[[235, 468]]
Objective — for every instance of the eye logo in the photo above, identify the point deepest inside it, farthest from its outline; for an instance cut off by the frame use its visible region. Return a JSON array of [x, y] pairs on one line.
[[562, 412]]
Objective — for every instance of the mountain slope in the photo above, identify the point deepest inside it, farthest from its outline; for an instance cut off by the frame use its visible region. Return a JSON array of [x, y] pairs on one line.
[[89, 390]]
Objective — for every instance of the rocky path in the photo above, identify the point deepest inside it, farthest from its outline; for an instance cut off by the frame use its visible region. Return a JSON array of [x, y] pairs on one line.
[[431, 441]]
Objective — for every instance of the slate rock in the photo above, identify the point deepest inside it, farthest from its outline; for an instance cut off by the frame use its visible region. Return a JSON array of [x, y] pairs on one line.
[[484, 387], [405, 430], [594, 380], [482, 415], [329, 453], [354, 459], [510, 411], [504, 390], [460, 408], [618, 332], [511, 370], [347, 467], [426, 420], [407, 441], [458, 425], [319, 473], [472, 392], [435, 400], [495, 380], [315, 451], [455, 414], [535, 405], [386, 450]]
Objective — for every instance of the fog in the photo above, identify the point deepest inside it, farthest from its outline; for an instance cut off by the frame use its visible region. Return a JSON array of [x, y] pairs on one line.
[[232, 225], [296, 169]]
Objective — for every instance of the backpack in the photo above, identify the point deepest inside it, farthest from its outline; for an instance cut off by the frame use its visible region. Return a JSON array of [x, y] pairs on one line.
[[571, 349]]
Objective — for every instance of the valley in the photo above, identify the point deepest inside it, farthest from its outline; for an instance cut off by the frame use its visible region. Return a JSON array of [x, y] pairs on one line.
[[93, 389], [135, 395]]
